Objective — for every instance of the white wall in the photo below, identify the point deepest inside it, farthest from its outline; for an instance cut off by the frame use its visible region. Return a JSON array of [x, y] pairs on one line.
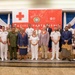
[[9, 5]]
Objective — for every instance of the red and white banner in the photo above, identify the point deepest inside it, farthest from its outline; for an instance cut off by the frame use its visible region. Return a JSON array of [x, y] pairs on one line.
[[20, 18], [40, 17]]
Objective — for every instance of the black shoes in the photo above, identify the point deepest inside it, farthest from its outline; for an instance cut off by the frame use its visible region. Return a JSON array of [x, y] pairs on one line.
[[10, 58], [64, 59], [42, 58], [45, 59], [13, 58], [67, 59]]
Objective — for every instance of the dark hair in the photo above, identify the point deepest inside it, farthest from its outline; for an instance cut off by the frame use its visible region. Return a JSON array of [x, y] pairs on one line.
[[3, 26], [66, 26]]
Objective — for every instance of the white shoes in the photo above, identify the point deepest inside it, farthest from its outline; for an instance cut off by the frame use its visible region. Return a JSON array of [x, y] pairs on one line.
[[52, 58], [36, 59], [33, 59], [5, 58], [73, 59], [56, 58], [2, 60]]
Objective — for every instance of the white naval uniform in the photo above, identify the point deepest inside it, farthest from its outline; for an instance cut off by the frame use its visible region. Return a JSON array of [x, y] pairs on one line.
[[29, 31], [72, 30], [34, 49], [55, 47], [4, 47], [0, 43], [38, 32], [0, 49], [0, 46]]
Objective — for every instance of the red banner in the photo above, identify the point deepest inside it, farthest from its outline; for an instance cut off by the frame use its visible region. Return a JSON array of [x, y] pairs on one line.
[[40, 18]]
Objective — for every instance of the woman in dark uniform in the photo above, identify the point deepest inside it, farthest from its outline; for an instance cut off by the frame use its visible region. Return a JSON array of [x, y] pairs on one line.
[[22, 43]]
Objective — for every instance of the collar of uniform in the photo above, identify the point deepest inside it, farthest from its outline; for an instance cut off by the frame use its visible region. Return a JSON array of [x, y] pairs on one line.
[[55, 31], [13, 32]]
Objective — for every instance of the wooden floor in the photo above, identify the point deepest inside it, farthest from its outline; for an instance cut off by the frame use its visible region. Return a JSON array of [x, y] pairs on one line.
[[39, 67], [36, 71]]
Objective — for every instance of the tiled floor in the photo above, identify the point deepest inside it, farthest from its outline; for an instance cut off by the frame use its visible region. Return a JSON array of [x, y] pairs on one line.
[[39, 67], [36, 71]]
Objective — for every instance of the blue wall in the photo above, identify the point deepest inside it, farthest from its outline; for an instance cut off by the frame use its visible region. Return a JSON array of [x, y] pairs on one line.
[[69, 17], [4, 17], [10, 18]]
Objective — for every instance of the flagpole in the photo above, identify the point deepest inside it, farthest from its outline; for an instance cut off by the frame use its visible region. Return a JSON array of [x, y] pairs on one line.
[[64, 20], [8, 19]]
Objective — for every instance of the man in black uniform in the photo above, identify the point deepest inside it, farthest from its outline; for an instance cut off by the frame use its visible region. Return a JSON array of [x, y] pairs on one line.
[[50, 41]]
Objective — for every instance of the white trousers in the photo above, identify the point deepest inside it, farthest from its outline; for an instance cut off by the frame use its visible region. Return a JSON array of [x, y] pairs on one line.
[[3, 51], [34, 51], [0, 49], [55, 50], [29, 45]]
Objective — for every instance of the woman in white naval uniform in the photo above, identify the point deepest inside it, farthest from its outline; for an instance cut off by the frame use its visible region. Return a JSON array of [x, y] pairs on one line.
[[4, 47], [55, 37], [34, 45]]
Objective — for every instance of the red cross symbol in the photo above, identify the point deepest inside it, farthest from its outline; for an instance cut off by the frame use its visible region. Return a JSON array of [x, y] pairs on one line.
[[20, 16]]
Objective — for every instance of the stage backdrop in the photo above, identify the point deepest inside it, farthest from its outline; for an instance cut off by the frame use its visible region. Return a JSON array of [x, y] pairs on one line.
[[38, 17]]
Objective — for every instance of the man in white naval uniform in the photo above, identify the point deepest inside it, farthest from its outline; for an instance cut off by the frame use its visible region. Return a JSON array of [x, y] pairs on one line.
[[29, 31], [4, 47], [55, 36], [70, 28], [0, 43]]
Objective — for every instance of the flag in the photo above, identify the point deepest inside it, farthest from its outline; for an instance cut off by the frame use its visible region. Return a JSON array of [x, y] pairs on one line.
[[20, 17]]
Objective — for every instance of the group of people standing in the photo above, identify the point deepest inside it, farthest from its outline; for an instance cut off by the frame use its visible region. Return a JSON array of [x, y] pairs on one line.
[[26, 40]]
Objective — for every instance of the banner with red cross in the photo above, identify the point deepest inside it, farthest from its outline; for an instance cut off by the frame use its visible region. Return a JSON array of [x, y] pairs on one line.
[[37, 17]]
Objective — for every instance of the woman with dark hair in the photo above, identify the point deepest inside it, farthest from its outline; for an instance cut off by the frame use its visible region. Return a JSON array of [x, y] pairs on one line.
[[22, 43]]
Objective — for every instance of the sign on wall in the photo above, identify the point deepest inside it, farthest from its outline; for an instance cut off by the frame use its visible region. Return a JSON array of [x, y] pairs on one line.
[[38, 17]]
